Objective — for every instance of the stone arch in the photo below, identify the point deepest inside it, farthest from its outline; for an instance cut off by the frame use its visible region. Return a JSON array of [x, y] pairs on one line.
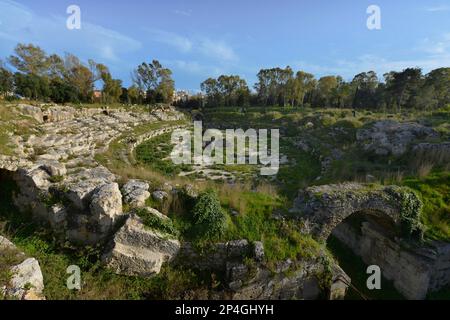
[[325, 207]]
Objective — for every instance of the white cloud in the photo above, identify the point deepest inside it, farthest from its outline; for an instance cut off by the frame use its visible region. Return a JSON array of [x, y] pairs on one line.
[[439, 8], [218, 50], [214, 49], [436, 46], [433, 54], [181, 43], [186, 13], [194, 67], [20, 24]]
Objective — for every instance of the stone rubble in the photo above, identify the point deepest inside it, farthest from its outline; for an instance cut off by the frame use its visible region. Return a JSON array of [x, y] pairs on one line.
[[27, 282]]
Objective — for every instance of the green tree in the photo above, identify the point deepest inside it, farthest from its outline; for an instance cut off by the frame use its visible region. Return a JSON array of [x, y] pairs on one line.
[[326, 90], [32, 86], [155, 80], [134, 95], [402, 87], [212, 91], [6, 80], [437, 87], [79, 77], [29, 59], [364, 86]]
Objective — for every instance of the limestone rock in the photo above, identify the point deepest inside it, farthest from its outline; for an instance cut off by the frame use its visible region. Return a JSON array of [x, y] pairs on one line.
[[32, 111], [326, 206], [27, 281], [390, 137], [258, 251], [106, 205], [135, 193], [54, 168], [136, 250], [159, 195], [190, 191]]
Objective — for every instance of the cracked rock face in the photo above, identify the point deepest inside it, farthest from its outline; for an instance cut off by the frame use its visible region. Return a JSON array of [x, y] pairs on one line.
[[392, 138], [58, 176], [106, 205], [135, 193], [27, 281], [137, 250]]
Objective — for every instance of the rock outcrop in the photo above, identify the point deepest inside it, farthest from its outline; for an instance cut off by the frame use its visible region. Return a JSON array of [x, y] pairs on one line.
[[106, 206], [138, 250], [58, 176], [27, 282], [248, 278], [389, 137], [135, 193]]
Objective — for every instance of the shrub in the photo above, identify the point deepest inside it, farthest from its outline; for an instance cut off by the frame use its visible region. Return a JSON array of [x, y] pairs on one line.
[[153, 222], [209, 216]]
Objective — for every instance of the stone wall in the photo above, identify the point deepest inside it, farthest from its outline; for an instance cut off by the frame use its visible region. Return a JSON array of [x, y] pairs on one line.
[[247, 277], [414, 270]]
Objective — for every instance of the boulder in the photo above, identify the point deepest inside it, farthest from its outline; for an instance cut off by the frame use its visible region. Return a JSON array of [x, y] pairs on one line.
[[139, 251], [258, 251], [159, 195], [135, 193], [106, 205], [27, 282]]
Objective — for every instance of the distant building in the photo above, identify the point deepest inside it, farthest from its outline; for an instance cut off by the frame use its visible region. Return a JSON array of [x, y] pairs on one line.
[[97, 95], [181, 96]]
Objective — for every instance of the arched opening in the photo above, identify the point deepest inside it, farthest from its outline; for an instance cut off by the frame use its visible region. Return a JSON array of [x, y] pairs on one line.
[[357, 242], [45, 118]]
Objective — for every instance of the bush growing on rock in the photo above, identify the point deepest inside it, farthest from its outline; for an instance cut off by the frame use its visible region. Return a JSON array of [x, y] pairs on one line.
[[209, 218], [153, 221]]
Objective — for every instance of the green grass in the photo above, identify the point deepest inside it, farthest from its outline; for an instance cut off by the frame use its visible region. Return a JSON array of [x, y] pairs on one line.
[[281, 239], [154, 154], [434, 191], [9, 257], [98, 283], [151, 221]]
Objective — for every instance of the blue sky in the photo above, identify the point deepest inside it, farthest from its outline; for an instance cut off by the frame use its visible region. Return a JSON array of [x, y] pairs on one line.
[[203, 38]]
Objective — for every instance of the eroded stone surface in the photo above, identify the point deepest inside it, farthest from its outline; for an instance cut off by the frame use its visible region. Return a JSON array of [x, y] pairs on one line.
[[389, 137], [327, 206], [135, 192], [58, 176], [137, 250]]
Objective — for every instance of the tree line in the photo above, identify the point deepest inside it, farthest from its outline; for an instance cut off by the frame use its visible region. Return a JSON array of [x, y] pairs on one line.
[[407, 89], [39, 76]]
